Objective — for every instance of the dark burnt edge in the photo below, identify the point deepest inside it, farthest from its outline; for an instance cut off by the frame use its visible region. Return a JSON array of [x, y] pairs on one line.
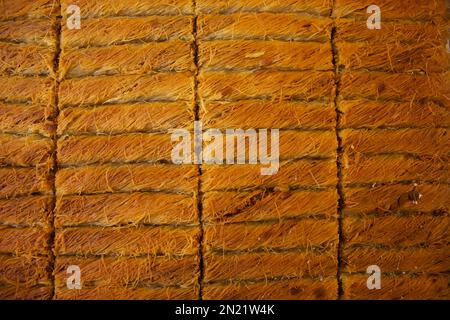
[[199, 193], [261, 195], [339, 158], [51, 244]]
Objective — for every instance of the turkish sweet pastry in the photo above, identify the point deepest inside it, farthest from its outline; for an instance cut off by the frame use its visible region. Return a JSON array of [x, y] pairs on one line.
[[87, 176]]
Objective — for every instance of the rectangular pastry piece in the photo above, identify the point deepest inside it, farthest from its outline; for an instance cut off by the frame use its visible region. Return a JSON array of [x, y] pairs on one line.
[[24, 181], [405, 33], [391, 9], [26, 60], [264, 26], [268, 265], [395, 86], [259, 205], [433, 259], [137, 147], [36, 90], [25, 151], [125, 208], [24, 271], [273, 85], [282, 234], [26, 210], [398, 197], [26, 119], [11, 9], [378, 114], [37, 32], [421, 142], [124, 272], [25, 277], [14, 292], [251, 54], [130, 241], [306, 173], [125, 89], [394, 168], [126, 178], [108, 293], [248, 114], [317, 7], [172, 56], [392, 32], [126, 118], [291, 289], [416, 230], [24, 240], [292, 144], [398, 287], [105, 8], [422, 57], [105, 32]]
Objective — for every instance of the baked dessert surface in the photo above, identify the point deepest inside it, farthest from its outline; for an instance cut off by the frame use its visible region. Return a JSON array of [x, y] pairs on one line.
[[85, 150]]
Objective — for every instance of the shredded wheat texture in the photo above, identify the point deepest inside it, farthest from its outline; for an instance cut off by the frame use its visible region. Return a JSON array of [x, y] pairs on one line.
[[85, 149]]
